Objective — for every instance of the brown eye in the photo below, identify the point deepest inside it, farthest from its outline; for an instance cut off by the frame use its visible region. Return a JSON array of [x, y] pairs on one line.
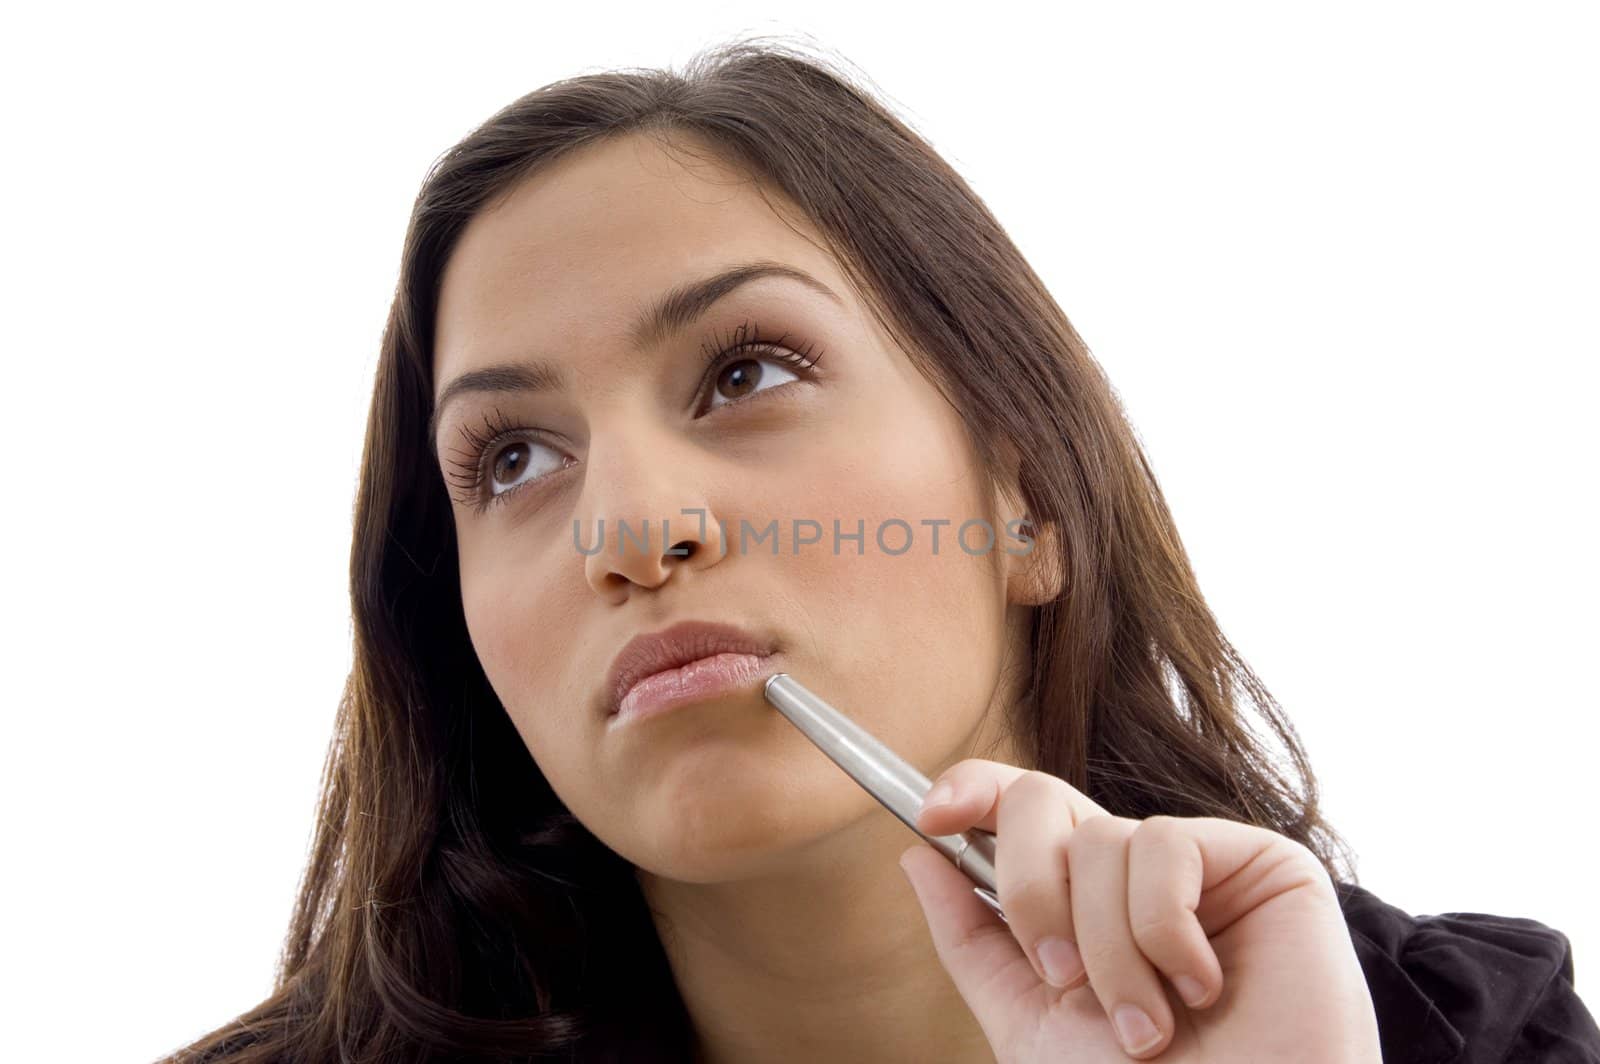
[[512, 463], [741, 378], [508, 461], [738, 380]]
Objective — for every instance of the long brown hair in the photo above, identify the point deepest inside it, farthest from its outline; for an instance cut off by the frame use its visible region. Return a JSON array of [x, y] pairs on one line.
[[452, 908]]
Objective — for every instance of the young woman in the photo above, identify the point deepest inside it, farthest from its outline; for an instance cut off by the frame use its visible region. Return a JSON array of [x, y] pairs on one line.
[[748, 297]]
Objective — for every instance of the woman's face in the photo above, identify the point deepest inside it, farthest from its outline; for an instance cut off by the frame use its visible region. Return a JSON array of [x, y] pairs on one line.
[[909, 644]]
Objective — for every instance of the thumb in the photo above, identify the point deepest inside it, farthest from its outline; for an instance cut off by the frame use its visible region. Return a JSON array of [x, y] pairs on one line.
[[976, 947]]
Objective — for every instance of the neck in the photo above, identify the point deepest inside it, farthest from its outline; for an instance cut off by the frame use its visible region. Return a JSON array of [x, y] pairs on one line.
[[826, 957]]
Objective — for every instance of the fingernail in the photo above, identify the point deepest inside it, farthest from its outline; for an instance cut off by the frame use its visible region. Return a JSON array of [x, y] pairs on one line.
[[1060, 960], [940, 795], [907, 873], [1135, 1029], [1189, 989]]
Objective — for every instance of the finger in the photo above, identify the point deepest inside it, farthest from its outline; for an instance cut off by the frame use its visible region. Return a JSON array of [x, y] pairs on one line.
[[1278, 864], [1166, 871], [977, 785], [1035, 818], [982, 957], [1128, 987]]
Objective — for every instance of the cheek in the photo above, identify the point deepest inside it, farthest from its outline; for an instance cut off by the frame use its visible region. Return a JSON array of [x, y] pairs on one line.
[[520, 629], [516, 626], [518, 613], [905, 480], [916, 637], [491, 611]]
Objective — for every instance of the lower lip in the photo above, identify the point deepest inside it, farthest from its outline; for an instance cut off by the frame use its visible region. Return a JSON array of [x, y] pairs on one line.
[[693, 682]]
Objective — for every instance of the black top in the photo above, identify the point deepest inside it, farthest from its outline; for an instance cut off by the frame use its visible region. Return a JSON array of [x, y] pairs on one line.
[[1468, 988]]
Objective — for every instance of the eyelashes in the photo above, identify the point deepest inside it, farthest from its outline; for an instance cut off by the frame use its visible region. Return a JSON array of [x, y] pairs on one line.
[[468, 472]]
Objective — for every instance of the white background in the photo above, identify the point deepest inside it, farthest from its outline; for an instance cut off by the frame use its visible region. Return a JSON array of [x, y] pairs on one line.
[[1339, 260]]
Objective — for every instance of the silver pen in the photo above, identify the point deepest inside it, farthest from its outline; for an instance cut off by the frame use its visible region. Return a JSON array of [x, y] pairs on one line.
[[884, 775]]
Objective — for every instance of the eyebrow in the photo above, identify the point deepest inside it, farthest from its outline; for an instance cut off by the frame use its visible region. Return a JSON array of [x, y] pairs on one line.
[[673, 311]]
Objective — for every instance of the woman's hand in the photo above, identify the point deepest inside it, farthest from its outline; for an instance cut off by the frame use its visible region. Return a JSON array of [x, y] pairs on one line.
[[1240, 921]]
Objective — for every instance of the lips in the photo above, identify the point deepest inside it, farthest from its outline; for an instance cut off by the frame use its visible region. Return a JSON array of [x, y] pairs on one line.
[[671, 648]]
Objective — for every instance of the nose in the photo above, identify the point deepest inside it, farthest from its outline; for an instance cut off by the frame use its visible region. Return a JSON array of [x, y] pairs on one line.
[[648, 514]]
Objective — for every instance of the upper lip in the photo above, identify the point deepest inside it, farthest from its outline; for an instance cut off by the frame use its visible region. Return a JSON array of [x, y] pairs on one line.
[[653, 652]]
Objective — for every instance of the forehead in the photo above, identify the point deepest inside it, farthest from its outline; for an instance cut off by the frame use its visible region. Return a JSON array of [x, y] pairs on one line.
[[585, 244]]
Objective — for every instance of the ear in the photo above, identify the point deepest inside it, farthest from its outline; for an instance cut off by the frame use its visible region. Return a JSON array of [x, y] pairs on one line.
[[1034, 567], [1030, 549]]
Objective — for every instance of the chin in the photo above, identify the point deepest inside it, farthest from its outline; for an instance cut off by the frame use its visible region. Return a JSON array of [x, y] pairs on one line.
[[730, 834]]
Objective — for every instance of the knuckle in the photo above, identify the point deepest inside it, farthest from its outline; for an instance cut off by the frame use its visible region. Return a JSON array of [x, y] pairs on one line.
[[1093, 832], [1290, 864], [1160, 828], [1306, 865], [1165, 841], [1294, 857], [977, 766], [1100, 955], [1034, 895], [1162, 932], [1298, 851], [954, 774], [1031, 786]]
